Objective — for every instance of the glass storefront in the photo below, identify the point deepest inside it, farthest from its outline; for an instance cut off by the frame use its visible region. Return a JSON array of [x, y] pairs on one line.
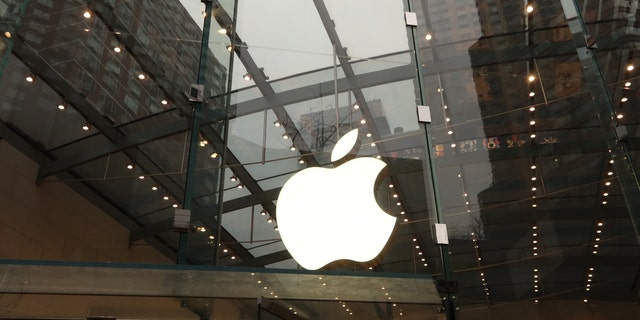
[[154, 109]]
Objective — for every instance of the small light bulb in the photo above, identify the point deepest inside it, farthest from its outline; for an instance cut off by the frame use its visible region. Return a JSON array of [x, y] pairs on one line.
[[87, 14]]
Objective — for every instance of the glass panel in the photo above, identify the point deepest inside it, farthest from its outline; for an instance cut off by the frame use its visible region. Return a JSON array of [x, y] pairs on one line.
[[529, 159], [525, 168], [362, 37], [304, 117], [10, 14], [261, 25], [23, 99]]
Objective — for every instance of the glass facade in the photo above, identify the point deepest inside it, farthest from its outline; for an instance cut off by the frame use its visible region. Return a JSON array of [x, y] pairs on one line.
[[150, 109]]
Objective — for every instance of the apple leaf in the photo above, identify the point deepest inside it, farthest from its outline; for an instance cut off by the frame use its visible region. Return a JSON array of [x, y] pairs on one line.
[[344, 145]]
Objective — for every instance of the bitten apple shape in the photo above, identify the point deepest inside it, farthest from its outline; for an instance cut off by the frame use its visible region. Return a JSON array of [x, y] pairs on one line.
[[328, 214]]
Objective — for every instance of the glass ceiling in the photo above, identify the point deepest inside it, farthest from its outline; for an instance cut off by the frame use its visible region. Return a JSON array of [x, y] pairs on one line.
[[533, 139]]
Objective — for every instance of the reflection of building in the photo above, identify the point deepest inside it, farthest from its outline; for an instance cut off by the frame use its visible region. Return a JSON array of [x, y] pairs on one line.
[[548, 151], [319, 127], [495, 181], [122, 66]]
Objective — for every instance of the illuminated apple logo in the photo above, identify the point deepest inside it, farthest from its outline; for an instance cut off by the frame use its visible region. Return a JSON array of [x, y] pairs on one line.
[[328, 214]]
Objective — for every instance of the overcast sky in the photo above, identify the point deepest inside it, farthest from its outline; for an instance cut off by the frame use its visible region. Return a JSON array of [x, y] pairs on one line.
[[195, 8], [287, 37]]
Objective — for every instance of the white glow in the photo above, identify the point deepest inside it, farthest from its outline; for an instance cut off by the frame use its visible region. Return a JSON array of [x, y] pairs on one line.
[[344, 145], [327, 214]]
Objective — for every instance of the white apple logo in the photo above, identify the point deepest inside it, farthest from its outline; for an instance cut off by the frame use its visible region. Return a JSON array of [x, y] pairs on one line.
[[327, 214]]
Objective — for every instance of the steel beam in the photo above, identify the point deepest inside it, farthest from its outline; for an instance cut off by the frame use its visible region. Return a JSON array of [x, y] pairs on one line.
[[201, 212]]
